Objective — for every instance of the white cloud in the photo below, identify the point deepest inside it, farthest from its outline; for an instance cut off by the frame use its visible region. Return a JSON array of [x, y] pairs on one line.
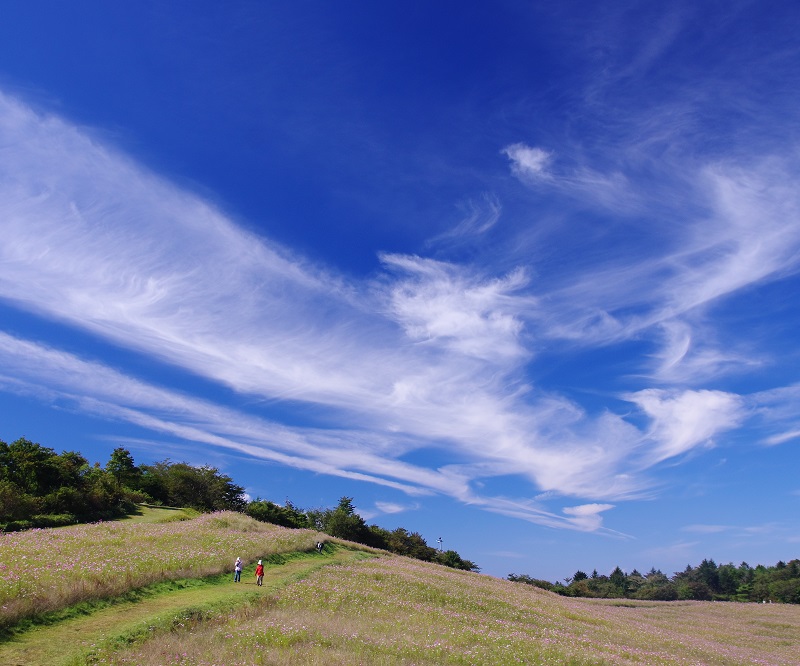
[[680, 551], [776, 412], [439, 303], [33, 369], [587, 516], [576, 518], [738, 227], [782, 438], [760, 530], [428, 354], [684, 420], [480, 216], [752, 235], [528, 163], [393, 507], [56, 376], [533, 167], [690, 353]]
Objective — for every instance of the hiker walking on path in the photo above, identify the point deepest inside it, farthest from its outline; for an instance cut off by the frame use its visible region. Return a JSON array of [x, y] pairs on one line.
[[237, 570], [259, 574]]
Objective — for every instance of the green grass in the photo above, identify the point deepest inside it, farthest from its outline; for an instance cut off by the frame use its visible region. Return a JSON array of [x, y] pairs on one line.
[[393, 610], [149, 513], [45, 570], [76, 635], [173, 607]]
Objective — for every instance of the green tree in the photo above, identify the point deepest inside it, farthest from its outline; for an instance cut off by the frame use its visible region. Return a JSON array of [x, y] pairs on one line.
[[580, 588], [707, 573], [102, 485], [728, 579], [412, 544], [202, 488], [269, 512], [759, 590], [378, 537], [343, 522], [618, 580], [694, 589], [30, 466], [15, 504], [786, 591], [656, 587], [450, 558], [123, 469], [536, 582], [633, 582]]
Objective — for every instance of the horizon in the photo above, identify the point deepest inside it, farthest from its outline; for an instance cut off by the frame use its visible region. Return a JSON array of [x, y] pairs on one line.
[[517, 277]]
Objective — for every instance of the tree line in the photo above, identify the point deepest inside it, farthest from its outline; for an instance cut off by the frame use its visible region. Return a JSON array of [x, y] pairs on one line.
[[707, 581], [41, 488], [342, 521]]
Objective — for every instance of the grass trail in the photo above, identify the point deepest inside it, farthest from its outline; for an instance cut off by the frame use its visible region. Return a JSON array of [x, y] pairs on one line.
[[47, 570], [146, 513], [391, 611], [67, 641]]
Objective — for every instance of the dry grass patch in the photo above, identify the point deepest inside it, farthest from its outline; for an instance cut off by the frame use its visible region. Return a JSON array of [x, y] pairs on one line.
[[49, 569], [399, 611]]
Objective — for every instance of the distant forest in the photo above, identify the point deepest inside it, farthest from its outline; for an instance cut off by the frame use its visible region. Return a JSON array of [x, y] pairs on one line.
[[40, 488], [705, 582]]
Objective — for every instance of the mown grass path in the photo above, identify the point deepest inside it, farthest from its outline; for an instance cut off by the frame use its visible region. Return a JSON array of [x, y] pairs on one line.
[[69, 641]]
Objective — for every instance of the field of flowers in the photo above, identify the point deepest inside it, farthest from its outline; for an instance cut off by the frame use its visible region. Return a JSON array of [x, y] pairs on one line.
[[48, 569], [398, 611]]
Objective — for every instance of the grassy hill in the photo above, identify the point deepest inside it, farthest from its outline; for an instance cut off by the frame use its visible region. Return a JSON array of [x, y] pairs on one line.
[[138, 592]]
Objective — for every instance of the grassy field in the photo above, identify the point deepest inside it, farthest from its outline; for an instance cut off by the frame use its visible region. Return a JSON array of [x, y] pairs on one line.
[[334, 608], [147, 513], [105, 626], [47, 569], [397, 611]]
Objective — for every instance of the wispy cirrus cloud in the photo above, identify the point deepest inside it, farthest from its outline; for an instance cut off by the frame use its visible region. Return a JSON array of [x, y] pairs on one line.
[[751, 235], [691, 353], [537, 167], [481, 215], [89, 387], [742, 232], [710, 184], [782, 438], [706, 529], [96, 242], [441, 304], [428, 354], [587, 515], [776, 410], [393, 507], [38, 370]]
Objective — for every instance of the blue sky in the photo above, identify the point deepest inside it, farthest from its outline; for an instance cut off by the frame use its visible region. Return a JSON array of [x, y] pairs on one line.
[[522, 276]]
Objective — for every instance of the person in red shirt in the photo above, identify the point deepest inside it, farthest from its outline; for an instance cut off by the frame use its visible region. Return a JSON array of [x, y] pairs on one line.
[[259, 574]]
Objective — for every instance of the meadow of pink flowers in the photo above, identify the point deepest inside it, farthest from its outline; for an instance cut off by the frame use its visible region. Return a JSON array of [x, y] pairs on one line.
[[47, 569], [395, 610]]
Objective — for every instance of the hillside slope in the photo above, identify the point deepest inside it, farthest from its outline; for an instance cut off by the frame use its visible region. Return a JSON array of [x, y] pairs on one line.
[[383, 610], [74, 638], [394, 610]]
